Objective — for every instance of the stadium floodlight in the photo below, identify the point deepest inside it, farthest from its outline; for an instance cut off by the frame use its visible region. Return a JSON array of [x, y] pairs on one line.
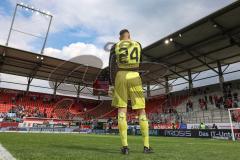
[[166, 41], [22, 5], [32, 9]]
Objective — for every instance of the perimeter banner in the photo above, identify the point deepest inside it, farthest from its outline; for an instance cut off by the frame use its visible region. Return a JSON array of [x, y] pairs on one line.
[[194, 133]]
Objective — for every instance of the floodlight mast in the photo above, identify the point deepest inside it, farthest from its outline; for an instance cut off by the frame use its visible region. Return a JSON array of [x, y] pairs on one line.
[[13, 19], [45, 40], [27, 7]]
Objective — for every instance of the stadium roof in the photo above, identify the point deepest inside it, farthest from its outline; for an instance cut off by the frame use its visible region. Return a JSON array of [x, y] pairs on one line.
[[28, 64], [199, 46]]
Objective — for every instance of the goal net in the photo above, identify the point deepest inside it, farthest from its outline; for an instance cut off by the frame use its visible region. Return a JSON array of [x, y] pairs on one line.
[[234, 117]]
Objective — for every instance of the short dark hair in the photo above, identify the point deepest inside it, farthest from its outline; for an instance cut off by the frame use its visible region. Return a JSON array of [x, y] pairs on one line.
[[123, 31]]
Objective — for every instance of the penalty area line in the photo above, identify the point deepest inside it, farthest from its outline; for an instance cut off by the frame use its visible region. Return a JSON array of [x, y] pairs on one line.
[[5, 155]]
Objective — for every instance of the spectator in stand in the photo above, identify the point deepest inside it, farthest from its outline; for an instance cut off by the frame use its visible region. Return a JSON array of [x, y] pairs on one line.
[[235, 104], [235, 95], [235, 100], [214, 126], [51, 116], [205, 105], [221, 100], [45, 113], [215, 99], [211, 99], [206, 99], [13, 100], [199, 100], [202, 104], [230, 102], [44, 100], [34, 98], [189, 105], [218, 103], [225, 105]]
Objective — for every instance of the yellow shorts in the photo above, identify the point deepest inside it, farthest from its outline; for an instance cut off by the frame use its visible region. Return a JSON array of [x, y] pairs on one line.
[[128, 85]]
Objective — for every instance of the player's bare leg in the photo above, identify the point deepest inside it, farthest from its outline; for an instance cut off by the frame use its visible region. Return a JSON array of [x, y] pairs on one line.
[[122, 126], [143, 122]]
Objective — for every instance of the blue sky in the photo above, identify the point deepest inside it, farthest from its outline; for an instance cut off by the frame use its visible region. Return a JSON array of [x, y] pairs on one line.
[[57, 39], [82, 27], [94, 22]]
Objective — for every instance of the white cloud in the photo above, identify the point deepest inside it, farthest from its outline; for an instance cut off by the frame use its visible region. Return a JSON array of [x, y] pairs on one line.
[[4, 26], [78, 49], [147, 20]]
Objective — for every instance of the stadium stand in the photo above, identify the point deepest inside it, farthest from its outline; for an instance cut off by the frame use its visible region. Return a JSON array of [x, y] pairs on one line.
[[210, 105], [39, 104], [206, 105], [186, 55]]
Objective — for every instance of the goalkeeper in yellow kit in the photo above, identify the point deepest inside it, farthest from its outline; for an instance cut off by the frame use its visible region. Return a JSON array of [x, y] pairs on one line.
[[128, 85]]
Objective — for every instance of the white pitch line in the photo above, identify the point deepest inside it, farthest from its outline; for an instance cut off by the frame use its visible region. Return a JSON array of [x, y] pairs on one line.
[[5, 155]]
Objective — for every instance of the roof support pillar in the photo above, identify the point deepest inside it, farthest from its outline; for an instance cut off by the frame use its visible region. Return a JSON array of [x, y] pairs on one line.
[[166, 85], [190, 82], [56, 85], [79, 90], [29, 82], [220, 75]]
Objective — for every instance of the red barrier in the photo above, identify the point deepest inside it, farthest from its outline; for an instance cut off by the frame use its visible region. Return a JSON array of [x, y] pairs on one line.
[[165, 126], [8, 124], [85, 127]]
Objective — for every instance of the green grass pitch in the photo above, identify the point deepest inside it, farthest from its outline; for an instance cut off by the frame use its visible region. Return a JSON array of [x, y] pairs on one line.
[[44, 146]]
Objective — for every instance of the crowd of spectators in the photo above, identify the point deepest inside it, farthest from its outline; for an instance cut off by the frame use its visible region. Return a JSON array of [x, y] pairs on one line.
[[228, 99], [18, 112]]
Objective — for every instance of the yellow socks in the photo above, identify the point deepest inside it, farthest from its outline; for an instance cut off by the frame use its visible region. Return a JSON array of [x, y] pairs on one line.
[[143, 122], [122, 126]]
